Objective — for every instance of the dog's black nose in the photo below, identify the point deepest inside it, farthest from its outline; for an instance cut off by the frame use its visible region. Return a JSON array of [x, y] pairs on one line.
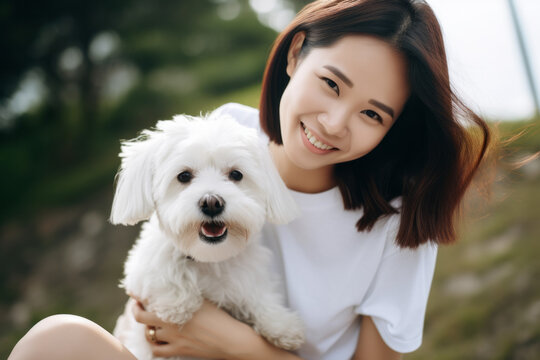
[[212, 204]]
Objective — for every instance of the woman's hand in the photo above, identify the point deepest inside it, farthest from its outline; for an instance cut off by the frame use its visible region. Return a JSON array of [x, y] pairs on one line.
[[210, 334]]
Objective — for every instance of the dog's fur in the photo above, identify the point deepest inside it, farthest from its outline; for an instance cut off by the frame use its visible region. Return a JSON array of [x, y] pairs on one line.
[[174, 264]]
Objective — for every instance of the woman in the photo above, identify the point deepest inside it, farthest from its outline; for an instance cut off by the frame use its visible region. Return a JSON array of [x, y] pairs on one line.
[[366, 133]]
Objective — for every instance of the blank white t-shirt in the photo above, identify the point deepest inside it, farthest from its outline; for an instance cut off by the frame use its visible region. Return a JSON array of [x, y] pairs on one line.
[[331, 274]]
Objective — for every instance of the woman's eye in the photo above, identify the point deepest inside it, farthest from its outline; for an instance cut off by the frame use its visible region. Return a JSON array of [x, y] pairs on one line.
[[331, 84], [185, 177], [372, 114]]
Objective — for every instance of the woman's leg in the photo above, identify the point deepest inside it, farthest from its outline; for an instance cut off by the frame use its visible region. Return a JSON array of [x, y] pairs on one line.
[[69, 337]]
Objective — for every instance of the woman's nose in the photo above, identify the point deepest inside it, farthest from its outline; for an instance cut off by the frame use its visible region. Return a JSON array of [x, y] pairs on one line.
[[333, 123]]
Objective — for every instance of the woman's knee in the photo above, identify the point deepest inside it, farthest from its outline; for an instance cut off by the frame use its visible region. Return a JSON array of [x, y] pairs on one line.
[[59, 328], [63, 323], [63, 337]]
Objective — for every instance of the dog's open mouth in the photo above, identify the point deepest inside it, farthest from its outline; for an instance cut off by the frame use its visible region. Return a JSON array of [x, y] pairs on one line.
[[213, 232]]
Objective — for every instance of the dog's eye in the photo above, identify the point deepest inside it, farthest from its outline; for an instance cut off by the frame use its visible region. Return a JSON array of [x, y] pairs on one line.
[[235, 175], [185, 177]]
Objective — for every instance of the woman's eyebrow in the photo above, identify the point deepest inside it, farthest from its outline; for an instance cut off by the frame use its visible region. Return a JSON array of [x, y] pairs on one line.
[[387, 109], [340, 75]]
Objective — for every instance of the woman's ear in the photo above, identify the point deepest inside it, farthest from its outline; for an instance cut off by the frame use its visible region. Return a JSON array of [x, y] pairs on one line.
[[294, 51]]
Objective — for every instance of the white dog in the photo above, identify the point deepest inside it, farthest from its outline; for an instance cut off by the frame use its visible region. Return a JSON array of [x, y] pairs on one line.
[[207, 185]]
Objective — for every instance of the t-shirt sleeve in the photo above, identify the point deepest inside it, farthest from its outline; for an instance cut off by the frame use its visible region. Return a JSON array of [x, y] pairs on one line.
[[397, 298], [243, 114]]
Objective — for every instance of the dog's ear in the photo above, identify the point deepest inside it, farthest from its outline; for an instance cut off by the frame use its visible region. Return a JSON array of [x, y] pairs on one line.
[[133, 200], [133, 197], [280, 206]]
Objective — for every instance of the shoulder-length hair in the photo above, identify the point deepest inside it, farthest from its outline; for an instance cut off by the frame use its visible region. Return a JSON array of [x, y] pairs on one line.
[[430, 155]]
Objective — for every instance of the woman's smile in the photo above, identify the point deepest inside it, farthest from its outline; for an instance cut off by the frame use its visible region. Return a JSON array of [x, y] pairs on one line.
[[338, 106], [315, 143]]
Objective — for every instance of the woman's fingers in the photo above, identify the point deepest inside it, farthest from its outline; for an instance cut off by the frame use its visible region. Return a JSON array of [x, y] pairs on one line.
[[162, 350], [180, 345], [166, 350], [137, 299], [145, 317], [155, 335], [159, 347], [159, 338]]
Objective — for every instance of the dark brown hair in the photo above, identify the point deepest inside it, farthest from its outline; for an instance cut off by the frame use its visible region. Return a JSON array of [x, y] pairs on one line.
[[430, 155]]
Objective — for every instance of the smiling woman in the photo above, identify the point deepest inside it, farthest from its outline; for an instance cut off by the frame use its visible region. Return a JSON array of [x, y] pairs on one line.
[[338, 104]]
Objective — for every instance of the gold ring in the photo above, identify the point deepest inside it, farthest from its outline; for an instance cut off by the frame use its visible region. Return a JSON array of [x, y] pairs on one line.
[[152, 334]]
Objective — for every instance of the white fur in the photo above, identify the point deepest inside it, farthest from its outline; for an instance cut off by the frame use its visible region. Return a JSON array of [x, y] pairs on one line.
[[170, 266]]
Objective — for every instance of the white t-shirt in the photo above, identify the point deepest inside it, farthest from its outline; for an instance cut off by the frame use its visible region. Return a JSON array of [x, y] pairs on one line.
[[331, 274]]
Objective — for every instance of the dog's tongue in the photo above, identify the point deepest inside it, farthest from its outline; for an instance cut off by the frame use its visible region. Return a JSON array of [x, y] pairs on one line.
[[213, 229]]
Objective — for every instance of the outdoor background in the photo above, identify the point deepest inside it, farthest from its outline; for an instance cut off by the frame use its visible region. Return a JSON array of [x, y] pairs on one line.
[[76, 77]]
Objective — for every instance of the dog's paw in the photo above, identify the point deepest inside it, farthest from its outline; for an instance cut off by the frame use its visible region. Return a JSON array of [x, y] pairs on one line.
[[285, 331]]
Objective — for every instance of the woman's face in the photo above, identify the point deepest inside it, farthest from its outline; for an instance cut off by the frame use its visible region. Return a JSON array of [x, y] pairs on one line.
[[341, 100]]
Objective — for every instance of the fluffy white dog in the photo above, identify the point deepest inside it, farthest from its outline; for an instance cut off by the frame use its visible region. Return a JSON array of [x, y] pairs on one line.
[[206, 185]]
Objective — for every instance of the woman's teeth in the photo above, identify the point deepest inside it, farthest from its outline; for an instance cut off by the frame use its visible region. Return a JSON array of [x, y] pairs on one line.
[[316, 142]]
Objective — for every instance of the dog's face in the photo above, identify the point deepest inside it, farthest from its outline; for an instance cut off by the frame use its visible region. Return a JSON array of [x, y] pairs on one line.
[[210, 182], [209, 193]]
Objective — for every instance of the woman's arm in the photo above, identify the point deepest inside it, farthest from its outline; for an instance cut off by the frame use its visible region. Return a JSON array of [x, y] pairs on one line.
[[370, 344], [211, 333]]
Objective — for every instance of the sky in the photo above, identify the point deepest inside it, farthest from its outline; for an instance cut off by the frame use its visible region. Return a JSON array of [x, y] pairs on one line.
[[485, 62]]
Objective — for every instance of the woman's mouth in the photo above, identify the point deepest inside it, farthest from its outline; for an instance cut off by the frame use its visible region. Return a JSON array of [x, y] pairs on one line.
[[315, 142]]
